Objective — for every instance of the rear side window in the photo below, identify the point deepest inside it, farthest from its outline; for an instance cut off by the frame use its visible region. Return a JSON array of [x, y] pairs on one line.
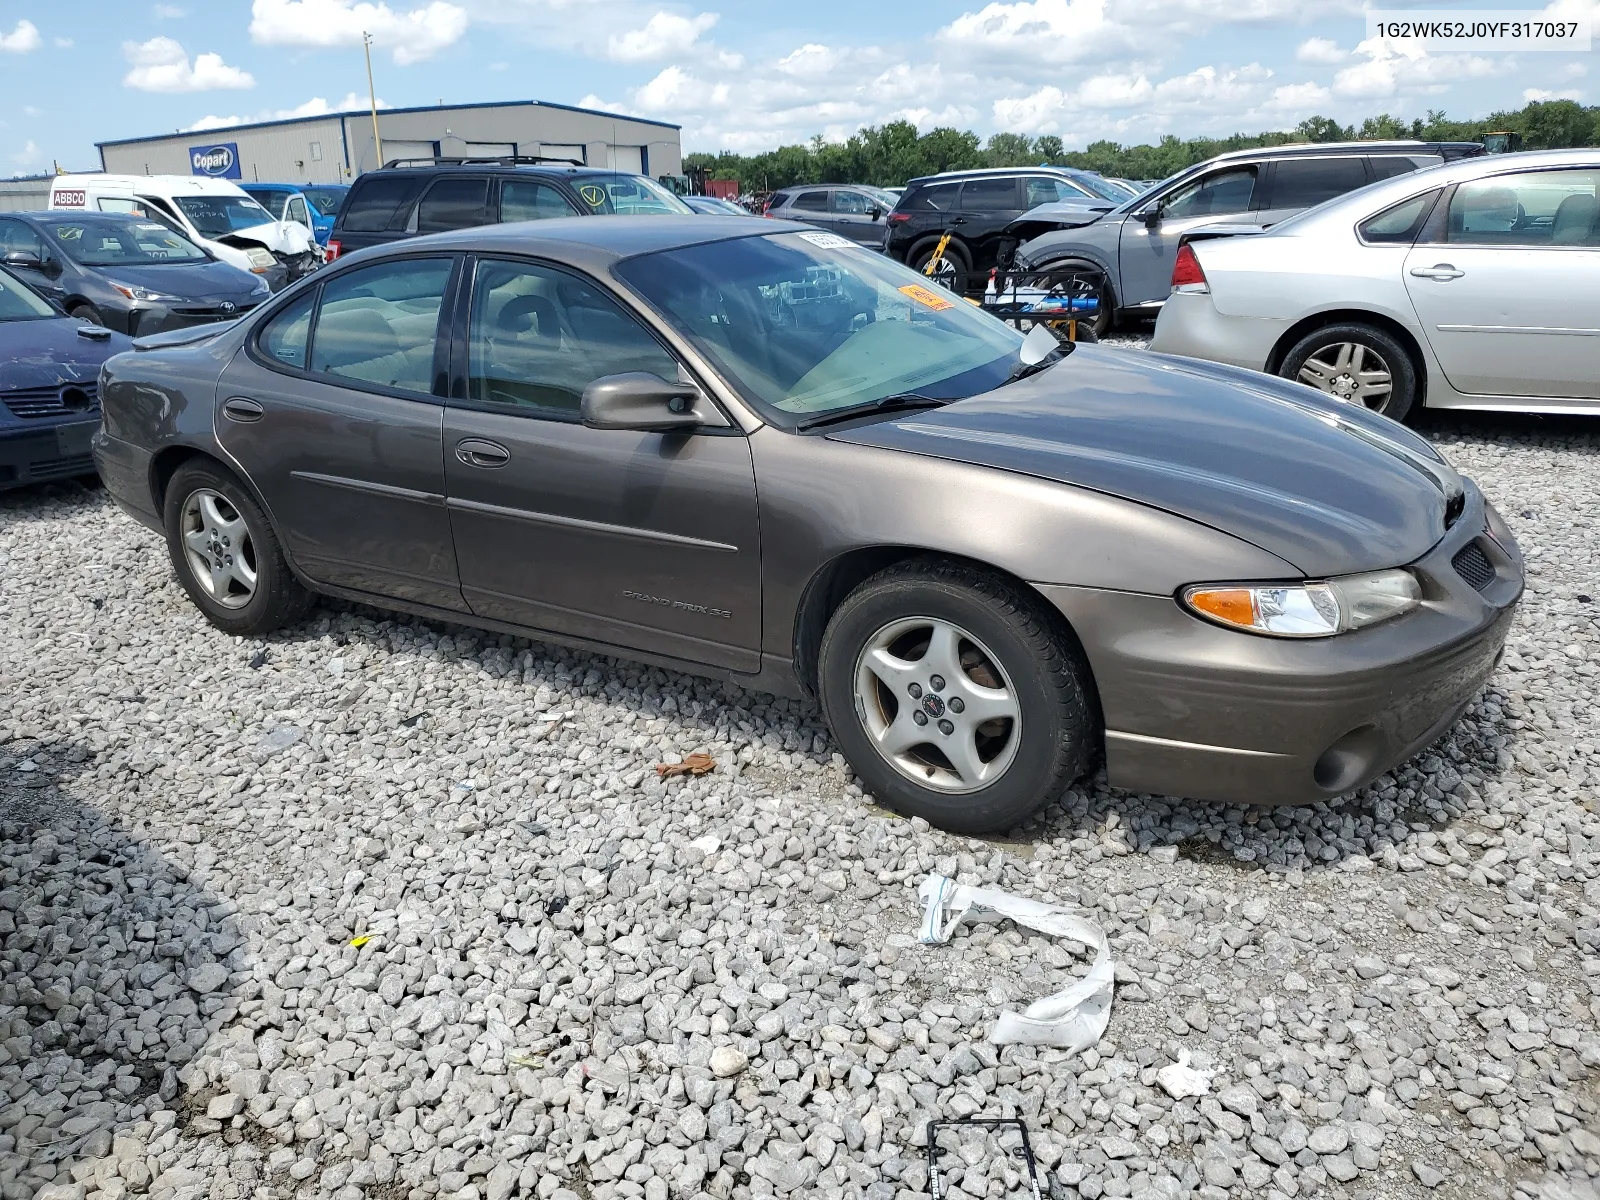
[[1400, 224], [935, 197], [285, 337], [812, 202], [1387, 166], [1304, 182], [380, 324], [377, 204], [990, 195], [453, 204]]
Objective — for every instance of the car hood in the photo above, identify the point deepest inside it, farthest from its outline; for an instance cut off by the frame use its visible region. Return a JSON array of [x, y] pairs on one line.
[[43, 353], [1061, 214], [1328, 488], [200, 281], [281, 237]]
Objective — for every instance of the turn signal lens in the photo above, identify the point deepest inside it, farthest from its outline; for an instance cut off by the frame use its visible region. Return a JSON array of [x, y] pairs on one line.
[[1306, 610]]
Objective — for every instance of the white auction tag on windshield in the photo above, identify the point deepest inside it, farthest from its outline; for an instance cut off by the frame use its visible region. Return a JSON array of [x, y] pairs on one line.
[[828, 241]]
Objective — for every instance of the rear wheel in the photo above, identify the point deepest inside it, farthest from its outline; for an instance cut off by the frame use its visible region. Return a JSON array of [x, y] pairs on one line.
[[226, 553], [949, 270], [1079, 282], [954, 697], [1356, 364]]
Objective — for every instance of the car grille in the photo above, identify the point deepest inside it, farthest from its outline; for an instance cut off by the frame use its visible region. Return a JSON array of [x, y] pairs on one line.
[[59, 401], [211, 312], [1473, 565], [61, 468]]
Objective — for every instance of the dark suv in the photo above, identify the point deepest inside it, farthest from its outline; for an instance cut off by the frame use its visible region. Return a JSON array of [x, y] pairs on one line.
[[415, 196], [975, 207], [855, 210]]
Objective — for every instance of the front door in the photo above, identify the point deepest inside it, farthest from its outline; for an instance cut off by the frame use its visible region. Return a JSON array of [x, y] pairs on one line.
[[1149, 246], [19, 238], [858, 217], [335, 412], [643, 540], [1508, 291]]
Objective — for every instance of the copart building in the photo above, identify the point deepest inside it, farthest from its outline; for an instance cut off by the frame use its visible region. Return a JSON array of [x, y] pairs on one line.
[[337, 147]]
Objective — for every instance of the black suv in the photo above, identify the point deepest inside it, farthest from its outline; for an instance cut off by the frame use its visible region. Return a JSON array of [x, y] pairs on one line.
[[975, 207], [415, 196]]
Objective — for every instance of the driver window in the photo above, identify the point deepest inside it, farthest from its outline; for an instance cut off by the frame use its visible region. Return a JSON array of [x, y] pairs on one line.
[[1217, 194], [540, 336], [1532, 208], [297, 210], [853, 203], [15, 238]]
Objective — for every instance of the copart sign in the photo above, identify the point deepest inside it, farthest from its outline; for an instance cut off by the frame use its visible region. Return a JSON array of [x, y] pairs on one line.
[[220, 161]]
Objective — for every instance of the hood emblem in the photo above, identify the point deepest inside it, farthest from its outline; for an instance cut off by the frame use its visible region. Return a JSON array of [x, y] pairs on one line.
[[228, 306]]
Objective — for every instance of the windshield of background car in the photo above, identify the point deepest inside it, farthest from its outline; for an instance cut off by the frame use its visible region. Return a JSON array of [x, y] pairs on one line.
[[19, 302], [626, 195], [803, 323], [134, 244], [325, 200], [1103, 188], [217, 216]]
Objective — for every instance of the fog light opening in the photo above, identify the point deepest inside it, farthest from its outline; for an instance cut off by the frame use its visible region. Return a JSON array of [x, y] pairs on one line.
[[1350, 759]]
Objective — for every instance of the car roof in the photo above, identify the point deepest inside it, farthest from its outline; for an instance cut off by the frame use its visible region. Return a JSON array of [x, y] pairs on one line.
[[592, 242], [1317, 149], [55, 216], [491, 167], [981, 172]]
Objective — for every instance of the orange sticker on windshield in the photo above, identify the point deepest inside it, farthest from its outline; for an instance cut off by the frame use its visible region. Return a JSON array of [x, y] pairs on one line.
[[926, 297]]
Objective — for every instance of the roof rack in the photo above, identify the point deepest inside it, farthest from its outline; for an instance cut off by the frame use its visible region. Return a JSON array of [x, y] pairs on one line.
[[504, 160]]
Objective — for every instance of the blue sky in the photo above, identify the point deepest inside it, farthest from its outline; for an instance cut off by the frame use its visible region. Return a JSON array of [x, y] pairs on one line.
[[742, 76]]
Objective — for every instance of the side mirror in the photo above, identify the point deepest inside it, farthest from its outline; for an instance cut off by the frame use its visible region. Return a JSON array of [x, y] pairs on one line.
[[645, 403], [1151, 216], [874, 212], [24, 260]]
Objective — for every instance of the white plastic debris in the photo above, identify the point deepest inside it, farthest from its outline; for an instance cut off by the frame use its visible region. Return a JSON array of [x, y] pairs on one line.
[[1073, 1019], [1180, 1081]]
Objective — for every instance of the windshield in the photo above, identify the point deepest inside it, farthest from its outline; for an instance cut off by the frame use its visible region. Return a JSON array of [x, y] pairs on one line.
[[1103, 188], [627, 195], [325, 200], [805, 323], [216, 216], [19, 302], [114, 244]]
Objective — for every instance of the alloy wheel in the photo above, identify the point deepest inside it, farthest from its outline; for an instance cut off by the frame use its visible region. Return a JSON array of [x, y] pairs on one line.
[[1351, 372], [219, 548], [937, 704]]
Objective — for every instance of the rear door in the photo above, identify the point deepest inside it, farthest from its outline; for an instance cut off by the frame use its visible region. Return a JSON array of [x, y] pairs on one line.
[[812, 207], [452, 202], [335, 412], [1508, 285], [643, 540], [1148, 246], [988, 204], [377, 210], [1296, 184]]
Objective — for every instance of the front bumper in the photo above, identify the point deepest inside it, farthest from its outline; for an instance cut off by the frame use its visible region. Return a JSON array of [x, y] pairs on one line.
[[145, 317], [58, 451], [1193, 709], [1191, 326]]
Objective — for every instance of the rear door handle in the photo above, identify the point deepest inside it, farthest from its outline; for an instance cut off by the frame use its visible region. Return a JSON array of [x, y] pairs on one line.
[[237, 408], [1443, 272], [477, 452]]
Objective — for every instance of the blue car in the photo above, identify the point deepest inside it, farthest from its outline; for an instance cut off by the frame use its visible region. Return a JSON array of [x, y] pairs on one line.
[[311, 204], [49, 377]]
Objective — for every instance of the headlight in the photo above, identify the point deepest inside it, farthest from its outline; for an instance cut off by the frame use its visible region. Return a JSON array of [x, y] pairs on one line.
[[1306, 610], [134, 292], [261, 258]]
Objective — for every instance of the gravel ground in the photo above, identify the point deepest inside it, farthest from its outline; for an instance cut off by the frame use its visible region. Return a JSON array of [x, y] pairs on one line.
[[392, 909]]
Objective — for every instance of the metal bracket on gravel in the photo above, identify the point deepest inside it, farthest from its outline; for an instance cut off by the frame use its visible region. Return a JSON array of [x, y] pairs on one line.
[[1023, 1151], [1073, 1019]]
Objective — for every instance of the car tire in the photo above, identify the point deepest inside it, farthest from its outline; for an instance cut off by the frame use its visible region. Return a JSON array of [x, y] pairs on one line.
[[211, 518], [959, 266], [1072, 270], [1332, 359], [1010, 656], [86, 312]]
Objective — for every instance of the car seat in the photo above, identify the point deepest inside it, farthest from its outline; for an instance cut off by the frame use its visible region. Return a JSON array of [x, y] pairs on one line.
[[1575, 222]]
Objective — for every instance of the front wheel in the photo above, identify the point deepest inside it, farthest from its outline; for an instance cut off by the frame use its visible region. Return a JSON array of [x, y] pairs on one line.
[[953, 696], [86, 312], [1355, 364], [226, 553]]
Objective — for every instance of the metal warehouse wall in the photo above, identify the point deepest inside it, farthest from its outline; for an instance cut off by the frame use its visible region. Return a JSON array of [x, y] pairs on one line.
[[291, 152], [315, 150], [24, 195]]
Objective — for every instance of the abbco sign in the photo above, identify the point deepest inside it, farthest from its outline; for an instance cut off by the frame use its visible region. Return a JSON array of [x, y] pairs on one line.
[[220, 161]]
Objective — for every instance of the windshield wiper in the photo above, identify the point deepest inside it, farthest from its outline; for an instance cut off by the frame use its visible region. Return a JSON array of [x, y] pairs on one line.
[[900, 400]]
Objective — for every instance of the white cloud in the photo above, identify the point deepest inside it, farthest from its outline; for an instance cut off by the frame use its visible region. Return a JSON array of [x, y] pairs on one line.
[[1320, 50], [1398, 69], [314, 107], [170, 12], [1529, 95], [29, 155], [63, 43], [161, 65], [674, 88], [665, 35], [1299, 99], [21, 40], [809, 61], [1048, 31], [411, 36]]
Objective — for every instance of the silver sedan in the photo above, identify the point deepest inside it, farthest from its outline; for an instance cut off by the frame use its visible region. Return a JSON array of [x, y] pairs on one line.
[[1471, 285]]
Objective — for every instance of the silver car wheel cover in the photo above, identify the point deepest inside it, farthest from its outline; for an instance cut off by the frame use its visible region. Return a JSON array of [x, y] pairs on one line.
[[218, 547], [982, 719], [1350, 371]]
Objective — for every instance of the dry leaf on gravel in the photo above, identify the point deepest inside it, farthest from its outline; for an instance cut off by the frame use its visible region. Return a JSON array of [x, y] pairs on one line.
[[698, 763]]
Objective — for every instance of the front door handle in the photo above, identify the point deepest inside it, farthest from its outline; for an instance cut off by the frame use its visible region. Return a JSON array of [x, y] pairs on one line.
[[1443, 272], [237, 408], [477, 452], [958, 220]]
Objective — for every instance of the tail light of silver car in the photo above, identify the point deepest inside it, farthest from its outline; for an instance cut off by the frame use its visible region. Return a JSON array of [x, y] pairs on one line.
[[1187, 275]]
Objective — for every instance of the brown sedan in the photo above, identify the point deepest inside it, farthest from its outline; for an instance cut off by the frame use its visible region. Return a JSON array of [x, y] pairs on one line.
[[753, 450]]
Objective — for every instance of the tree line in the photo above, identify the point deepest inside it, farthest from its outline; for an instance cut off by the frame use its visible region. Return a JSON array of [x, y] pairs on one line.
[[888, 155]]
